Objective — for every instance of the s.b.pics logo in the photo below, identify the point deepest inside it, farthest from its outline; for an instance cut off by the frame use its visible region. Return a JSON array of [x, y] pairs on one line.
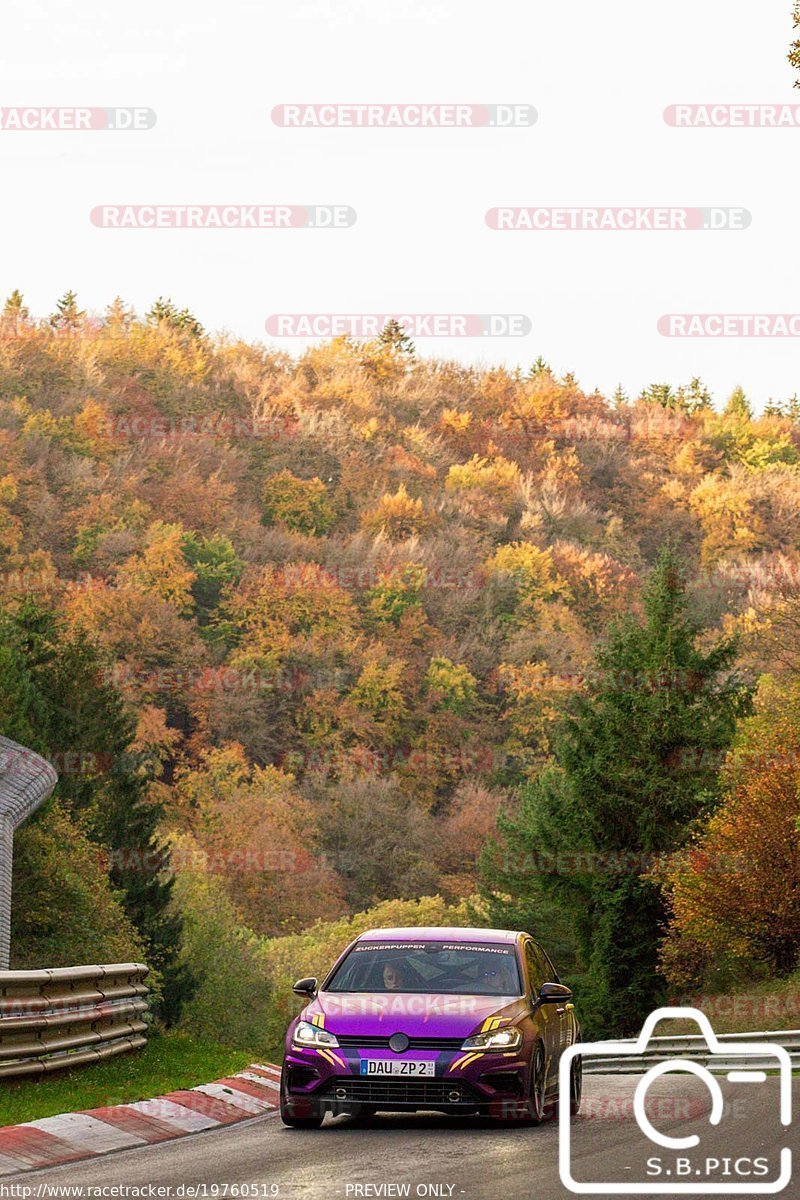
[[722, 1142]]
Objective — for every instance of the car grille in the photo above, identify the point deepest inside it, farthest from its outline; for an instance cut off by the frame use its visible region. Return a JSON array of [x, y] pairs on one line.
[[434, 1092], [414, 1043]]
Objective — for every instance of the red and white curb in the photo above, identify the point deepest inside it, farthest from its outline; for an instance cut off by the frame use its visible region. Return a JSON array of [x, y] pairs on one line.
[[72, 1136]]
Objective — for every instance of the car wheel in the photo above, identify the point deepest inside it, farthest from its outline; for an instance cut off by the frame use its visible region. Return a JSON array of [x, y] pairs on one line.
[[309, 1120], [575, 1085], [538, 1086]]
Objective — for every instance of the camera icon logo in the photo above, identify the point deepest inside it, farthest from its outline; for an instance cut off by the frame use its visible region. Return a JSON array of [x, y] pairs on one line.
[[678, 1171]]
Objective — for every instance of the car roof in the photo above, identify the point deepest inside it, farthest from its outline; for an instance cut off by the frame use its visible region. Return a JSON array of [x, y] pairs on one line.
[[434, 933]]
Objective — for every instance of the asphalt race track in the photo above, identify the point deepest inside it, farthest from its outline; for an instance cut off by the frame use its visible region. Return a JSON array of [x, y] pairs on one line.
[[465, 1157]]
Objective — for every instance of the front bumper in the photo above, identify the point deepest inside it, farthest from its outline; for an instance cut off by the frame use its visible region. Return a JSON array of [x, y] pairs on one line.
[[496, 1084]]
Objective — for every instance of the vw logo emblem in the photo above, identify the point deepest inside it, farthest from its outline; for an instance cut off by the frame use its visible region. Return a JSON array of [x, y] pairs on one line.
[[398, 1042]]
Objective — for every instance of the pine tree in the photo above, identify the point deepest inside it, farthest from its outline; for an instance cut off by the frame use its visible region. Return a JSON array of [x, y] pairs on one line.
[[539, 367], [394, 337], [15, 314], [68, 316], [660, 393], [695, 397], [165, 312], [59, 704], [636, 762], [119, 316], [738, 405]]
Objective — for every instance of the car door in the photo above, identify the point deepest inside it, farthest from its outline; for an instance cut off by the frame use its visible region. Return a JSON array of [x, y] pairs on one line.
[[545, 1015]]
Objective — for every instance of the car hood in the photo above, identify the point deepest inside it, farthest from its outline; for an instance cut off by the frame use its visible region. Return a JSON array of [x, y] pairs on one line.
[[421, 1014]]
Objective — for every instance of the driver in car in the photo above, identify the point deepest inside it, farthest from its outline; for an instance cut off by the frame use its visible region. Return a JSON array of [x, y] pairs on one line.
[[394, 977]]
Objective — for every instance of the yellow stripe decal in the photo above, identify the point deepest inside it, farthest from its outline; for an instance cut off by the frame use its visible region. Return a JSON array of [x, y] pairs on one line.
[[493, 1022]]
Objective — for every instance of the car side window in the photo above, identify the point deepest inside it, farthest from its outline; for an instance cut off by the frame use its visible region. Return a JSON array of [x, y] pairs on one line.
[[536, 970], [552, 973]]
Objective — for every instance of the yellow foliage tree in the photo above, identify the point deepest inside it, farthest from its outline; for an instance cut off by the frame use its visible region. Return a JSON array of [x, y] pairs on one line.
[[398, 516], [533, 575], [489, 486], [160, 568]]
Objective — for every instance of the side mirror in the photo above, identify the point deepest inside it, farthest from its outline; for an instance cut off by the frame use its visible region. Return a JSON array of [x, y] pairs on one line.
[[306, 987], [554, 993]]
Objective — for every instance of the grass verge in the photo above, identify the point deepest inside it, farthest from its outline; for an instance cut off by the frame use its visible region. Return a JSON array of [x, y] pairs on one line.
[[169, 1061]]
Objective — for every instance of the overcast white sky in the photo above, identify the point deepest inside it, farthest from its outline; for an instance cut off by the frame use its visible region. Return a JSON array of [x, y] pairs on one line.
[[600, 76]]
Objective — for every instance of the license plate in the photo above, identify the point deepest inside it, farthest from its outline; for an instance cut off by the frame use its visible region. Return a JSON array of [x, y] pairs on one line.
[[396, 1066]]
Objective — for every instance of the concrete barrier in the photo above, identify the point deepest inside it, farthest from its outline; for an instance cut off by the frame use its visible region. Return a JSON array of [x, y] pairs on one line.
[[26, 781]]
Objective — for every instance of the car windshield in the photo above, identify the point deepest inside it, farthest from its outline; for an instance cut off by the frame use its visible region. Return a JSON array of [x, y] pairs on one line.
[[460, 969]]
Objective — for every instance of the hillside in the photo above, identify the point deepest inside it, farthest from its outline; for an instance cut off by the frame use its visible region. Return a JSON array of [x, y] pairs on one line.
[[343, 597]]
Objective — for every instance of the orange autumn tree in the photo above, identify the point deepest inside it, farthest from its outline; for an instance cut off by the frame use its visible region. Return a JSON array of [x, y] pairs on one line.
[[261, 838], [734, 892]]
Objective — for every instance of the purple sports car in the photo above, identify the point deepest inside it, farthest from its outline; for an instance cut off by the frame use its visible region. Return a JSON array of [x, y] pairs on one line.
[[452, 1020]]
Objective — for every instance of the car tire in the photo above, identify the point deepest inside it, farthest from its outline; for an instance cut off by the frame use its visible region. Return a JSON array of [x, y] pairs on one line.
[[312, 1121], [575, 1085], [537, 1102]]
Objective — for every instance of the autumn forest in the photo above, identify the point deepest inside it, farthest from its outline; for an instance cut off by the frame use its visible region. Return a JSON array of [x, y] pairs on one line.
[[309, 635]]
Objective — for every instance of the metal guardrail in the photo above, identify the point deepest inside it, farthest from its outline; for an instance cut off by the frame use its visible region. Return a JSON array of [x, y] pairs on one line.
[[695, 1047], [70, 1016], [26, 781]]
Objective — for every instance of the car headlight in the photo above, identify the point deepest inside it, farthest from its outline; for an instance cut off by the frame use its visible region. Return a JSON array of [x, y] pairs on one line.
[[307, 1034], [498, 1039]]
